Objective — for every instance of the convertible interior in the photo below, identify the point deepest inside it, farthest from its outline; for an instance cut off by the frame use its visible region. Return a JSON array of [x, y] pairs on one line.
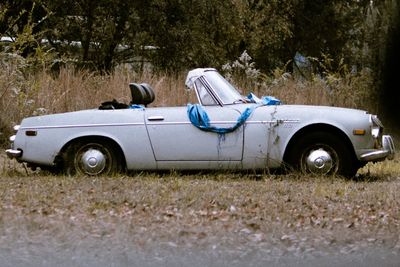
[[142, 94]]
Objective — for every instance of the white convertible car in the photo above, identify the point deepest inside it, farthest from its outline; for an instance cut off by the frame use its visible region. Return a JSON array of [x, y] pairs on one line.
[[224, 131]]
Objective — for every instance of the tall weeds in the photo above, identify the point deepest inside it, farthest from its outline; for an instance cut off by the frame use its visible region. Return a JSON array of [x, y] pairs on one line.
[[24, 92]]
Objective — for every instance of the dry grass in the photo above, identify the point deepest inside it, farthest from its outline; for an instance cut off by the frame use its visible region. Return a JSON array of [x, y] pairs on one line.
[[208, 209], [26, 93]]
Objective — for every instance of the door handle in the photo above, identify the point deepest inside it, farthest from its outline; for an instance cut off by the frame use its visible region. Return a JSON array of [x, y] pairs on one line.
[[156, 118]]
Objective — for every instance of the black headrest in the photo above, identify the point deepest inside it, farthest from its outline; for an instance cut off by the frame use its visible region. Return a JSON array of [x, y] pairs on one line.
[[149, 90], [142, 94]]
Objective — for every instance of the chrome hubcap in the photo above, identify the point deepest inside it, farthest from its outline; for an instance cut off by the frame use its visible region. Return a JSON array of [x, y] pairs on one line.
[[319, 162], [93, 161]]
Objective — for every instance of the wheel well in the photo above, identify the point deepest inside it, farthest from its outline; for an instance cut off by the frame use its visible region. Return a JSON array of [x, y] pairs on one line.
[[320, 128], [86, 139]]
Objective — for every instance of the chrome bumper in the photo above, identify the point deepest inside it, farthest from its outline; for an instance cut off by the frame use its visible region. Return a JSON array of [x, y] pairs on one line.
[[13, 153], [387, 151]]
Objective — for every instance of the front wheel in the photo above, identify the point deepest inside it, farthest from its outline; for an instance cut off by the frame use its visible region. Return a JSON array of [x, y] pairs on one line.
[[92, 158], [322, 153]]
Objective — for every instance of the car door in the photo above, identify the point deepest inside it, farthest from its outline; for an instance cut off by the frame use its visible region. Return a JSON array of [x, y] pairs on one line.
[[174, 138]]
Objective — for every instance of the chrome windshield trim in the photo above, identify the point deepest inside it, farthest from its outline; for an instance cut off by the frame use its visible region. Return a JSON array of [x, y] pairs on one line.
[[83, 125], [209, 78], [211, 91]]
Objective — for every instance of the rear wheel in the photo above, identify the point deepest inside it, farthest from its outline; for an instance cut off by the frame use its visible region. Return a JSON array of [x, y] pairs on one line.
[[92, 158], [322, 153]]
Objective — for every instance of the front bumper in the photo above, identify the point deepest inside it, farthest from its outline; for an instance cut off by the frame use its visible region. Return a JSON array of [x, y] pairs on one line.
[[387, 151]]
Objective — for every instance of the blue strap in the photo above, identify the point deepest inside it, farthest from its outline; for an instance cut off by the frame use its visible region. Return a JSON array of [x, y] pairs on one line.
[[265, 100], [134, 106], [199, 118]]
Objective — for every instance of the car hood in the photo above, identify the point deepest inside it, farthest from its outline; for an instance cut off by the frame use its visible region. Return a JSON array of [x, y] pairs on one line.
[[320, 109]]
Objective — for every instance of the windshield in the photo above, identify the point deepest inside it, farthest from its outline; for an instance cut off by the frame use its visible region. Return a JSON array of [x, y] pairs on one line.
[[225, 91]]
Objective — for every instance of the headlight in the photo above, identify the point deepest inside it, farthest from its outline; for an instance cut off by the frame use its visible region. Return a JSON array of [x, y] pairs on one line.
[[12, 138], [377, 126], [376, 130]]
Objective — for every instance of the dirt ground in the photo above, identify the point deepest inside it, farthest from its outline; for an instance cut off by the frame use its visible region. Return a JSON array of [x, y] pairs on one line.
[[200, 219]]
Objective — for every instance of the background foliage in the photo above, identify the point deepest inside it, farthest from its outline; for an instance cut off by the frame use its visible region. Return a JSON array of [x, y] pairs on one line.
[[52, 51], [103, 33]]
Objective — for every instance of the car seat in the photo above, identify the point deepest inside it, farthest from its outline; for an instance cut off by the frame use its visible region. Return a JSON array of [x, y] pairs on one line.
[[142, 94]]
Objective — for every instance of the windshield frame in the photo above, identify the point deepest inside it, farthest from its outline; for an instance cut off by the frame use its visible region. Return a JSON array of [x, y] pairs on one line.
[[221, 89]]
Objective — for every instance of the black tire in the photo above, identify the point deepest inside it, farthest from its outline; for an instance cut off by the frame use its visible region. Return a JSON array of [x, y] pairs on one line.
[[322, 153], [92, 158]]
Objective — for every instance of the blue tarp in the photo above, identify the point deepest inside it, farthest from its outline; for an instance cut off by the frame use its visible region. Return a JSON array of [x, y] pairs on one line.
[[199, 118]]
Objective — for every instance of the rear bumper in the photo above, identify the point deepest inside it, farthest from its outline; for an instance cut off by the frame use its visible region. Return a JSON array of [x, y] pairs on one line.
[[13, 153], [387, 151]]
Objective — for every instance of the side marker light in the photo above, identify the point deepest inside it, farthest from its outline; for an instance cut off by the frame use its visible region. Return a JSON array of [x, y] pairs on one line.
[[359, 132]]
